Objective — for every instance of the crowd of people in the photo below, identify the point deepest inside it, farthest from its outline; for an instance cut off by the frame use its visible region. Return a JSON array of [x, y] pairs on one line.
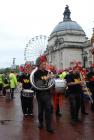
[[8, 83], [79, 86]]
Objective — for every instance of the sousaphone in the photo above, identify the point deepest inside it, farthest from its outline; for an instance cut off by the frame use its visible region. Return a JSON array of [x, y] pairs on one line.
[[39, 85]]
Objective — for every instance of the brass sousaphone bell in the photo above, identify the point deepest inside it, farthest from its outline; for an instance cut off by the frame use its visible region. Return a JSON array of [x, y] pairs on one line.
[[39, 86], [59, 84]]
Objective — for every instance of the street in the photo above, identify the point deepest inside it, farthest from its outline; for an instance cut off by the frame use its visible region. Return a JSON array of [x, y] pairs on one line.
[[14, 126]]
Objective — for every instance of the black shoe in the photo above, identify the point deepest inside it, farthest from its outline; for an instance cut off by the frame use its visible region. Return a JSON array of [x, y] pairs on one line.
[[40, 126], [92, 110], [12, 97], [50, 130], [73, 122], [58, 114], [30, 114], [85, 113], [78, 120], [25, 115]]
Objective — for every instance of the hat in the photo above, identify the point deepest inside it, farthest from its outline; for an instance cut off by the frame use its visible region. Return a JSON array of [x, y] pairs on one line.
[[77, 66], [92, 65], [41, 59]]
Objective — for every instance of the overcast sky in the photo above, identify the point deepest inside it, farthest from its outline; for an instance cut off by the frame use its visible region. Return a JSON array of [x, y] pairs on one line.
[[21, 20]]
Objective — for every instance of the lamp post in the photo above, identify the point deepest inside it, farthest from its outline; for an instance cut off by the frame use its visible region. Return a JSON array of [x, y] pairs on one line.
[[57, 44], [13, 65], [14, 61], [84, 57]]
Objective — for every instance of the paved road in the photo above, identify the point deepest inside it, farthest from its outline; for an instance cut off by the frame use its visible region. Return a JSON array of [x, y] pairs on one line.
[[13, 126]]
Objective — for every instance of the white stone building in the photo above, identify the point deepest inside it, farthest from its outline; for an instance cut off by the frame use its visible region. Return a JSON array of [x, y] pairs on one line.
[[68, 43]]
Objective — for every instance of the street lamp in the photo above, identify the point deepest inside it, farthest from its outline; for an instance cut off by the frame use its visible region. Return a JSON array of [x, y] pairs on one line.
[[84, 57], [13, 65], [14, 61], [57, 44]]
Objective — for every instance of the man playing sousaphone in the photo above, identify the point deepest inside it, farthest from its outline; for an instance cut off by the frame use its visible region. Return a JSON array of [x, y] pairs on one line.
[[41, 80]]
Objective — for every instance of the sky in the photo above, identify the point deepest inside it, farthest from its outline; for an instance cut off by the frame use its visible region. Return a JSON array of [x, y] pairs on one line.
[[22, 20]]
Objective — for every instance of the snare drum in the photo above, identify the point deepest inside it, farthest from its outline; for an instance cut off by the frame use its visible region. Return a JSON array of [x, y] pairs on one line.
[[60, 85], [27, 92]]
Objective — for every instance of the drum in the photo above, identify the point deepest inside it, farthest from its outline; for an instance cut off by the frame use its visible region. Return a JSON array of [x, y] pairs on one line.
[[27, 92], [60, 85]]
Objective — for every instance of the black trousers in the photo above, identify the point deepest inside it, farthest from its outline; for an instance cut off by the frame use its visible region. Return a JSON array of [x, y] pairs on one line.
[[4, 91], [92, 104], [27, 104], [44, 108], [1, 87], [82, 103], [75, 104], [91, 88], [12, 92]]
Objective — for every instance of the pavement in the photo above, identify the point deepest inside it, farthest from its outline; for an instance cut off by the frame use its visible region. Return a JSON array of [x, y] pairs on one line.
[[14, 126]]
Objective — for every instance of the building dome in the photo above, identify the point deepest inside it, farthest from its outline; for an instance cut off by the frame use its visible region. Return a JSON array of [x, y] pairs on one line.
[[68, 43], [67, 23]]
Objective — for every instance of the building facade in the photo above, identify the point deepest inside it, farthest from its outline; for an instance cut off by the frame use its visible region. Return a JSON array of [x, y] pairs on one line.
[[68, 43]]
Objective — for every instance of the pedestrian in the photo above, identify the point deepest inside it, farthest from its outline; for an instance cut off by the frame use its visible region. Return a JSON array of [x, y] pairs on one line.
[[1, 84], [13, 83], [6, 86]]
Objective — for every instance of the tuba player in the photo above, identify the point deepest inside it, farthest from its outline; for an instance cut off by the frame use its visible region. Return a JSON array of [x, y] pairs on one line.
[[41, 78]]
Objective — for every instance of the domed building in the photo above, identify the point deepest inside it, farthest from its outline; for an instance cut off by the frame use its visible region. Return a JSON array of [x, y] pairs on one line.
[[68, 43]]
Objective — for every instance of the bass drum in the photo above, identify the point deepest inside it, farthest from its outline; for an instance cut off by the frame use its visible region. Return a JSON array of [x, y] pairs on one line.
[[60, 85]]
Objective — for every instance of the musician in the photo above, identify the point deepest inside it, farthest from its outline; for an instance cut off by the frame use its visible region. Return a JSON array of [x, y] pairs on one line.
[[58, 95], [26, 93], [75, 90], [83, 75], [90, 78], [44, 97]]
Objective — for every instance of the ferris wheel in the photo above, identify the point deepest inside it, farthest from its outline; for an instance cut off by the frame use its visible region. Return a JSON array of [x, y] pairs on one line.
[[35, 47]]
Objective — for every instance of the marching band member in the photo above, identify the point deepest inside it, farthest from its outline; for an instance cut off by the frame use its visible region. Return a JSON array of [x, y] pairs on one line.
[[58, 95], [44, 97], [90, 78], [75, 90], [83, 78], [26, 93]]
